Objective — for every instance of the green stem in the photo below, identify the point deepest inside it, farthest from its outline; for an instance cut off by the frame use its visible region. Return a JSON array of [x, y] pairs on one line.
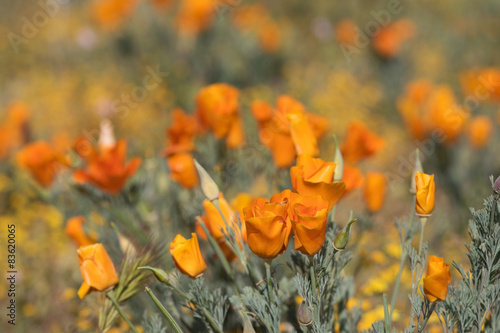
[[267, 263], [387, 317], [433, 306], [221, 256], [167, 315], [129, 224], [117, 307], [423, 221], [314, 288], [396, 286], [493, 210]]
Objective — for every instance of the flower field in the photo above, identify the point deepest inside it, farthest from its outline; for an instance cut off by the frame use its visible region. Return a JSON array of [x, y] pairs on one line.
[[250, 166]]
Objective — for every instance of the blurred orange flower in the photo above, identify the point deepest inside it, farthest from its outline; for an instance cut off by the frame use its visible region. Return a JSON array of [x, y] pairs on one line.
[[360, 143], [111, 13], [213, 219], [74, 229], [352, 177], [268, 225], [97, 269], [424, 204], [309, 219], [479, 131], [387, 43], [181, 133], [412, 107], [187, 256], [42, 161], [437, 279], [218, 111], [446, 115], [313, 176], [13, 130], [375, 191], [182, 169], [482, 83], [195, 16], [346, 32], [288, 130], [106, 168]]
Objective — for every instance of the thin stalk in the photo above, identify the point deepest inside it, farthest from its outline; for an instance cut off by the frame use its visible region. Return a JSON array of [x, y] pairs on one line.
[[398, 282], [423, 221], [314, 288], [493, 211], [221, 256], [167, 315], [267, 263], [433, 306], [387, 317], [117, 307]]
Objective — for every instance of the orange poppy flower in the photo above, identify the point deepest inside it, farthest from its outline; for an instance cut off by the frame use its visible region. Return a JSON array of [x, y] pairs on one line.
[[387, 43], [313, 176], [479, 131], [195, 16], [309, 219], [268, 225], [218, 111], [360, 143], [74, 229], [375, 191], [182, 169], [42, 161], [214, 221], [97, 269], [482, 83], [181, 133], [412, 107], [425, 198], [437, 279], [106, 168], [288, 130], [346, 32], [352, 177], [111, 13], [187, 256], [13, 130]]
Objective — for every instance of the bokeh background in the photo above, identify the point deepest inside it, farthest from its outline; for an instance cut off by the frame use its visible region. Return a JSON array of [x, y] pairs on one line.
[[70, 64]]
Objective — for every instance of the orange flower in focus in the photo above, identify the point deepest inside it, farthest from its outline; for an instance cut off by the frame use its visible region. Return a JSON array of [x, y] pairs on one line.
[[346, 32], [195, 16], [187, 256], [360, 143], [288, 130], [309, 219], [182, 170], [74, 229], [375, 191], [437, 279], [42, 161], [445, 114], [111, 13], [97, 269], [106, 168], [313, 176], [13, 131], [479, 131], [218, 111], [352, 177], [268, 225], [425, 198], [387, 43]]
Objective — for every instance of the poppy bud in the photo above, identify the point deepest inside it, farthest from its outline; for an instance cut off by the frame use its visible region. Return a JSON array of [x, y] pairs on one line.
[[496, 186], [208, 185], [340, 242], [160, 274], [339, 162], [304, 314], [417, 168]]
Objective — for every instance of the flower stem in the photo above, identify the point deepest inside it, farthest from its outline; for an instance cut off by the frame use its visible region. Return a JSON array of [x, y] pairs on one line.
[[117, 307], [423, 221], [167, 315], [387, 316], [433, 306], [493, 210], [314, 288], [267, 263], [398, 282]]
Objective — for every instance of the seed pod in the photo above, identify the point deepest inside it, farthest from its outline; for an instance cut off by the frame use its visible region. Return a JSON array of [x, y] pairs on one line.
[[208, 185], [342, 238], [304, 314]]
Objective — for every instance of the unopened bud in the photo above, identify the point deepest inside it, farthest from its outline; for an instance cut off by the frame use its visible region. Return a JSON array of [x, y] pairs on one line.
[[208, 185], [496, 186], [304, 314], [417, 168], [106, 137], [339, 162], [342, 238], [160, 274]]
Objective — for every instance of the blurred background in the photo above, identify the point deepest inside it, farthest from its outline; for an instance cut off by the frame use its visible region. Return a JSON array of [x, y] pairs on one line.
[[419, 74]]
